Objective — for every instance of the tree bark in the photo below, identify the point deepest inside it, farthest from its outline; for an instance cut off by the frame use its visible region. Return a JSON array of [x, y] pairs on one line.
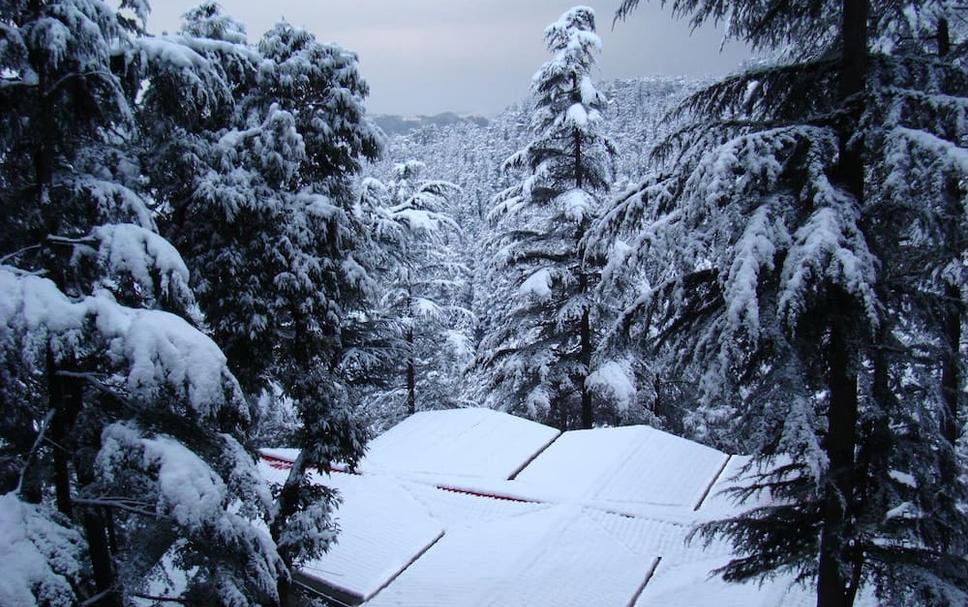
[[288, 498], [411, 362], [96, 530], [950, 368], [585, 357], [99, 551], [839, 562], [952, 308], [943, 37], [56, 400], [834, 579]]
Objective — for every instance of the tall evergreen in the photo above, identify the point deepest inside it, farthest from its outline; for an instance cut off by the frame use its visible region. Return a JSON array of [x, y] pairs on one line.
[[541, 354], [117, 410], [260, 184], [768, 245]]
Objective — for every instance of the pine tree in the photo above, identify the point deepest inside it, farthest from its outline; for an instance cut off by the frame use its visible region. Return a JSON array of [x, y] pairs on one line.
[[768, 252], [541, 355], [259, 179], [106, 372], [410, 218]]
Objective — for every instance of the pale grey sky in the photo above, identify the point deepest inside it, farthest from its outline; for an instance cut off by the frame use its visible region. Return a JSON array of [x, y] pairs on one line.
[[474, 56]]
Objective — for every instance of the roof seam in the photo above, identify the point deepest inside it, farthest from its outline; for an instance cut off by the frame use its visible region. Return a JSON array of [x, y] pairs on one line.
[[645, 582], [712, 483], [403, 569], [535, 456]]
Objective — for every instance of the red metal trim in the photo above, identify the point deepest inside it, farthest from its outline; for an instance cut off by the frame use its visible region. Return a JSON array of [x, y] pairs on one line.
[[492, 496], [283, 464]]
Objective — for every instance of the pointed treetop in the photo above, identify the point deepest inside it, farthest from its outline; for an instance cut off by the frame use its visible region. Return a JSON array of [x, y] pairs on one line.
[[574, 30]]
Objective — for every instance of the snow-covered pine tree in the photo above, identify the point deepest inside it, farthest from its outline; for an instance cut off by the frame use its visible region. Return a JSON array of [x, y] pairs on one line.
[[767, 253], [423, 279], [541, 354], [105, 373], [262, 208]]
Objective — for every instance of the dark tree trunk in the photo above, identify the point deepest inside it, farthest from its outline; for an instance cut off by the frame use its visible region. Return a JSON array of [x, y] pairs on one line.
[[287, 501], [579, 175], [943, 37], [839, 564], [584, 329], [950, 368], [952, 308], [834, 579], [58, 434], [96, 530], [411, 375], [411, 362], [65, 399], [585, 357], [99, 551]]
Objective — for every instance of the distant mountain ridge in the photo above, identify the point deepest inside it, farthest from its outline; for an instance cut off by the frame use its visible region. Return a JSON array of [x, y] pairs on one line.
[[402, 125], [469, 150]]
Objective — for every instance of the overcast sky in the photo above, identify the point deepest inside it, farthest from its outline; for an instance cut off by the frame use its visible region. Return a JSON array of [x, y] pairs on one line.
[[472, 56]]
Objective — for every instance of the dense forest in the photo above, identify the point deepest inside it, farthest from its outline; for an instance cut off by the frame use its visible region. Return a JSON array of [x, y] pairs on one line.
[[207, 246]]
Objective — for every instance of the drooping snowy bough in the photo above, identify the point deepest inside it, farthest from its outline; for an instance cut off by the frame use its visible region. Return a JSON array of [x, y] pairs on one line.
[[800, 251]]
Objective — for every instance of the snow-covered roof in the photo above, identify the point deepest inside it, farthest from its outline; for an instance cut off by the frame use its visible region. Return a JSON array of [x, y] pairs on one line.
[[459, 442], [473, 507]]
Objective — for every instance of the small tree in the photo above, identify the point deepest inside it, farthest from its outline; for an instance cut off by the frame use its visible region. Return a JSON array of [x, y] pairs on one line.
[[410, 218]]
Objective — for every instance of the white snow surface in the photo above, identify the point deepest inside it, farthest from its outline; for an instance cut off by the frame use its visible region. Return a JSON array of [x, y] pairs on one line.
[[39, 555], [537, 285], [626, 468], [459, 442], [473, 507], [616, 379]]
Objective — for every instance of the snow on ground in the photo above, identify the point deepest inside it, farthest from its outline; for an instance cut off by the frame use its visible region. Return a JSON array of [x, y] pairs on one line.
[[474, 507]]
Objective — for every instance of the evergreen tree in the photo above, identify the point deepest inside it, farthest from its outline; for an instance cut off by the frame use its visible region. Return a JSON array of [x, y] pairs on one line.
[[106, 374], [422, 282], [769, 246], [541, 354], [262, 208]]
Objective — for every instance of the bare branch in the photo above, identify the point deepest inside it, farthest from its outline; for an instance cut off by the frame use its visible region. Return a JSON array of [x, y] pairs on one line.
[[33, 449]]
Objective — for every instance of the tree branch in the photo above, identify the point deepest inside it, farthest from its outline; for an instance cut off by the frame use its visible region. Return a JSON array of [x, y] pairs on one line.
[[33, 449]]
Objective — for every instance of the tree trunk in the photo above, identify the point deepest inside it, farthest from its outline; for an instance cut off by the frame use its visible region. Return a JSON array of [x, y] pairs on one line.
[[411, 363], [579, 175], [287, 500], [411, 375], [99, 551], [585, 356], [57, 433], [950, 371], [834, 579], [839, 564], [943, 37], [96, 529], [952, 308]]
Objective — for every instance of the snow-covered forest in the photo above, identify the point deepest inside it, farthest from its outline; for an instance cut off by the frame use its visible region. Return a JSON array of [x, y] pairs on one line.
[[208, 247]]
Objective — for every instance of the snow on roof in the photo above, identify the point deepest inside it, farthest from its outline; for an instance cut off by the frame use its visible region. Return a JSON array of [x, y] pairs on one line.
[[458, 442], [553, 556], [386, 527], [627, 467], [473, 507]]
